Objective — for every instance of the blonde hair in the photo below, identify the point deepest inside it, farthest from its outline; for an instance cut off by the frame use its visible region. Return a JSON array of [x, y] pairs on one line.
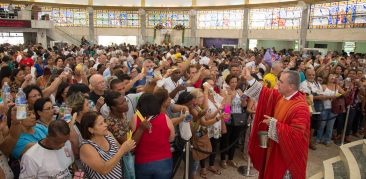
[[196, 92], [75, 102]]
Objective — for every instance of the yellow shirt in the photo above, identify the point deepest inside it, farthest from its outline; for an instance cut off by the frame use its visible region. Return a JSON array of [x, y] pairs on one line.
[[270, 79]]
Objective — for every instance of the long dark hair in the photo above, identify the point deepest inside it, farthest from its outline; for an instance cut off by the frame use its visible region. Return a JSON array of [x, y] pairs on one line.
[[60, 90], [88, 121], [148, 105]]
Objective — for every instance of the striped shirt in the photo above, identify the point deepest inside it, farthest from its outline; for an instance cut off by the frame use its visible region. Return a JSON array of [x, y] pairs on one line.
[[116, 172]]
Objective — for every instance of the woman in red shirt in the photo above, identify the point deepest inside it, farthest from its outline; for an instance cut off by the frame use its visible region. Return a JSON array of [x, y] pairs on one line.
[[153, 158]]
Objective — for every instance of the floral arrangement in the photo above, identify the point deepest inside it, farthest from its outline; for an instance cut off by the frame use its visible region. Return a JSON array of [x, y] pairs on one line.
[[179, 27], [182, 28], [158, 27]]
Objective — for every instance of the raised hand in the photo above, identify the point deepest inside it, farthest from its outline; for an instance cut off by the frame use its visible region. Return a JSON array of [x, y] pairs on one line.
[[246, 74]]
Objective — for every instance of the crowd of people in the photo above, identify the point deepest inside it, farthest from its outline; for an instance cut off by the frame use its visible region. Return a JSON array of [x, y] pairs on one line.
[[125, 111]]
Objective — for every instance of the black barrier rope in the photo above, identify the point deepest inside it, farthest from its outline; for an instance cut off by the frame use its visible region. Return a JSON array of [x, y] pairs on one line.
[[236, 140], [175, 169]]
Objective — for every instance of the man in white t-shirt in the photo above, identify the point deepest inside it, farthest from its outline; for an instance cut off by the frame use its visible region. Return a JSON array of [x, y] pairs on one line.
[[50, 157], [204, 59], [102, 59], [173, 84]]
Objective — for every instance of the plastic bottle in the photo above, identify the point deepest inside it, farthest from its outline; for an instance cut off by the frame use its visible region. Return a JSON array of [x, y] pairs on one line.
[[67, 69], [227, 110], [21, 103], [188, 117], [6, 93], [67, 114], [62, 109]]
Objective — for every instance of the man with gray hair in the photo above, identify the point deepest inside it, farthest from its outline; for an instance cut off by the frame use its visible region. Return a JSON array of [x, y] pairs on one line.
[[98, 86], [283, 116], [112, 63]]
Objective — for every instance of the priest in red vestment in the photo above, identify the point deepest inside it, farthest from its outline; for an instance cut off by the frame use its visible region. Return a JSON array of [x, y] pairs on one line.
[[284, 113]]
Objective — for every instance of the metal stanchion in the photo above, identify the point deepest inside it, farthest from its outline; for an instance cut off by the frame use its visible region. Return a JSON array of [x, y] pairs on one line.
[[246, 170], [186, 166], [345, 125]]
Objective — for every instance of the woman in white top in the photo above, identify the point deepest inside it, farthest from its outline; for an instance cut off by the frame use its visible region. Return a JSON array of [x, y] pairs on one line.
[[331, 91], [214, 108], [237, 102]]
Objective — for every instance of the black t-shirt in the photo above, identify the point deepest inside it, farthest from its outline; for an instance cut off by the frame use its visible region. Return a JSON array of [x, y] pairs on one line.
[[94, 97]]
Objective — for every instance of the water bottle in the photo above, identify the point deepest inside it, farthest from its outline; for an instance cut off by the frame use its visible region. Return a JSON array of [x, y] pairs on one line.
[[67, 114], [21, 103], [188, 117], [6, 93], [348, 82], [150, 74], [67, 70], [62, 109], [227, 110]]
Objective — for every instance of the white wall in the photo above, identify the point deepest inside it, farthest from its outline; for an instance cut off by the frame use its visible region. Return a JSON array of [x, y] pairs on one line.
[[333, 46], [168, 3], [78, 32], [360, 47], [266, 37], [218, 2], [117, 3], [279, 45], [274, 34], [338, 35]]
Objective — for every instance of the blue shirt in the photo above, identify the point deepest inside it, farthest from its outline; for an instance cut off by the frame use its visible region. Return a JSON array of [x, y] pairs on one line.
[[302, 76], [40, 133], [38, 69]]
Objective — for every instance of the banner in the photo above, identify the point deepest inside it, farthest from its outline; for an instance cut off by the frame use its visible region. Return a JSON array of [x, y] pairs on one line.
[[15, 23]]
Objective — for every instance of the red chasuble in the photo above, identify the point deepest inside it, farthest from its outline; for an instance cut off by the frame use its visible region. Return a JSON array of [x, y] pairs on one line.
[[293, 129]]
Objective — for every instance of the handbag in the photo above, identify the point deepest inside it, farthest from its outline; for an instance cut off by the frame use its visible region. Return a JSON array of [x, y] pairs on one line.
[[128, 162], [185, 130], [202, 143], [338, 105], [239, 119]]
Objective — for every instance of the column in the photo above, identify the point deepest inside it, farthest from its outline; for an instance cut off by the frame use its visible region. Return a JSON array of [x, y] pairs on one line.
[[42, 37], [92, 39], [142, 38], [244, 39], [193, 40], [304, 26]]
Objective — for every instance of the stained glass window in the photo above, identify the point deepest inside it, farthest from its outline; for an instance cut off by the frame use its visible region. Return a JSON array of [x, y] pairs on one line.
[[343, 14], [114, 18], [277, 18], [169, 19], [225, 19], [66, 16]]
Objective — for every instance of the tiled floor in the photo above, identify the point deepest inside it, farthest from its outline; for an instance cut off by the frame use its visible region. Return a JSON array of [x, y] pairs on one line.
[[315, 165]]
